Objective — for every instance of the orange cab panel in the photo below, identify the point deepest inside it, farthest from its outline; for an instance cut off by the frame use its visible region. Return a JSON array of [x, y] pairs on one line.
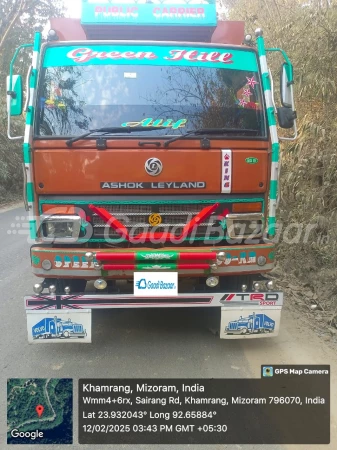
[[90, 171], [249, 171]]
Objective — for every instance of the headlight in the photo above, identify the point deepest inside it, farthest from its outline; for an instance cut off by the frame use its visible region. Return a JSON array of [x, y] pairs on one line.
[[244, 225], [60, 228]]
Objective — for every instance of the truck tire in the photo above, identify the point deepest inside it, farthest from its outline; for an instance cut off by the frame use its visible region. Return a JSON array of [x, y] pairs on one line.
[[244, 331], [66, 334]]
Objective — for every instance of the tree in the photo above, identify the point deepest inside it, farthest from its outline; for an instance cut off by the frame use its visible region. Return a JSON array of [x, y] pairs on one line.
[[19, 19]]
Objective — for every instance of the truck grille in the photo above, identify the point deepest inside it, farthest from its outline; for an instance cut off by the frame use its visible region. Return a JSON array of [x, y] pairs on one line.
[[136, 218]]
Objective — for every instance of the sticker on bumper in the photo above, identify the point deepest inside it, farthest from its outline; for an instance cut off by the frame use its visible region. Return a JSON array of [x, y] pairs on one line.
[[155, 284], [250, 322], [59, 326]]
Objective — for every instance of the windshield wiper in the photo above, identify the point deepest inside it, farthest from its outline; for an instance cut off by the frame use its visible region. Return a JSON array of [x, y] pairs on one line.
[[111, 130], [206, 131]]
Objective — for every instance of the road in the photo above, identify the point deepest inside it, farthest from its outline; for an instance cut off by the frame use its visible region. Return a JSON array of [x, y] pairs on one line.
[[139, 343]]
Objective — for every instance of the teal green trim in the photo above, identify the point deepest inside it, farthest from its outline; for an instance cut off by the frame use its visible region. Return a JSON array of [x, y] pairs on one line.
[[27, 153], [273, 189], [266, 82], [161, 55], [32, 229], [285, 56], [275, 148], [272, 226], [30, 192], [37, 41], [33, 79], [156, 266], [148, 202], [271, 116], [30, 116], [35, 260], [156, 256]]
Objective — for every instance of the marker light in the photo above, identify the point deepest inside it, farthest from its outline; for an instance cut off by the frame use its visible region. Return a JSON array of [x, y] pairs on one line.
[[100, 284], [37, 288], [270, 285], [256, 287], [52, 289], [261, 260], [46, 264], [212, 281], [52, 35]]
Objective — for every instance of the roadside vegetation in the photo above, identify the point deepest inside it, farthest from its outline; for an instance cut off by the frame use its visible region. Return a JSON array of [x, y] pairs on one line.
[[19, 19], [306, 30]]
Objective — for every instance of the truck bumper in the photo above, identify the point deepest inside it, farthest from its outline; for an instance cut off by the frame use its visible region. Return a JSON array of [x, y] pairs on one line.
[[233, 306], [68, 262]]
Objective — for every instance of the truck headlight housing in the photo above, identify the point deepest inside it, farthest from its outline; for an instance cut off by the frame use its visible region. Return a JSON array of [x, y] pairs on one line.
[[243, 226], [59, 228]]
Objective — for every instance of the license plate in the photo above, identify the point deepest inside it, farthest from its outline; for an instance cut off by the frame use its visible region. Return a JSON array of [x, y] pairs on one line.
[[155, 284], [59, 326]]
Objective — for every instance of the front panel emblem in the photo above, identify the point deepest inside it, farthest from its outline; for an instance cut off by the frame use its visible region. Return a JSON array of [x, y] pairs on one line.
[[153, 166], [155, 219]]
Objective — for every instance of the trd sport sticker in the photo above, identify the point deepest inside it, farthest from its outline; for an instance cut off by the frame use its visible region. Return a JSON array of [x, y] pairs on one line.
[[264, 299]]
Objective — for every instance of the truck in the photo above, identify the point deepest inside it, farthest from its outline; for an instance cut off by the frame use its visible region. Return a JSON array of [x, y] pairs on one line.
[[54, 327], [151, 152], [254, 323]]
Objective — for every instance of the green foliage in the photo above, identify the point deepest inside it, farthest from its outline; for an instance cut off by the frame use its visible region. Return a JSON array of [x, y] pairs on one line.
[[19, 19], [306, 30]]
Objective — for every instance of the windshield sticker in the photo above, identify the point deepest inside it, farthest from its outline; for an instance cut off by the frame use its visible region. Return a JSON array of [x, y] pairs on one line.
[[157, 123], [247, 92], [152, 55], [55, 100]]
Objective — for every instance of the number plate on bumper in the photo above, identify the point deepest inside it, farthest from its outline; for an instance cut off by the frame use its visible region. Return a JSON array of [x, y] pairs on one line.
[[59, 326]]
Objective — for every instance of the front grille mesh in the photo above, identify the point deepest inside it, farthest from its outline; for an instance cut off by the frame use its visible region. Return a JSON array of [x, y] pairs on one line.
[[136, 218]]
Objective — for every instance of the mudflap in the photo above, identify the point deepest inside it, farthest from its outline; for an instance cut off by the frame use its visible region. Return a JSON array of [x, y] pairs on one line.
[[251, 320]]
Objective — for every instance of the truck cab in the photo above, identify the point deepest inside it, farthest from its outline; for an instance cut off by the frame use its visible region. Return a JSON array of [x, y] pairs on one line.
[[151, 153]]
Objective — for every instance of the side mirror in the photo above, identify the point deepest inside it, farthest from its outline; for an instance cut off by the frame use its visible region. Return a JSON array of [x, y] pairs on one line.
[[286, 117], [286, 87], [14, 95]]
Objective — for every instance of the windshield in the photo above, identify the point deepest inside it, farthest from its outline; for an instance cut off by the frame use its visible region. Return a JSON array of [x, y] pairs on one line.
[[83, 88]]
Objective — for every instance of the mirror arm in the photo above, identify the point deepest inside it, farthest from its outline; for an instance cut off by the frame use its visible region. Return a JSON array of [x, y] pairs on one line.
[[28, 88], [10, 90]]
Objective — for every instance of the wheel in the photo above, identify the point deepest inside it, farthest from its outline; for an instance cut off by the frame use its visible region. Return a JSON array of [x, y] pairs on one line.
[[244, 331], [66, 334]]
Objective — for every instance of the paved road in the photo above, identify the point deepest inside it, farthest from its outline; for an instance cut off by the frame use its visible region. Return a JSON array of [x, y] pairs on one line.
[[134, 343]]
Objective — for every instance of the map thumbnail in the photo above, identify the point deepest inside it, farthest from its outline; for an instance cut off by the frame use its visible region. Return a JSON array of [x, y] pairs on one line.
[[39, 411]]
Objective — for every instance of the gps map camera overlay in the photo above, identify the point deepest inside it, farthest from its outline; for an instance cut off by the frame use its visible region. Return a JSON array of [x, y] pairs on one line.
[[39, 411]]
